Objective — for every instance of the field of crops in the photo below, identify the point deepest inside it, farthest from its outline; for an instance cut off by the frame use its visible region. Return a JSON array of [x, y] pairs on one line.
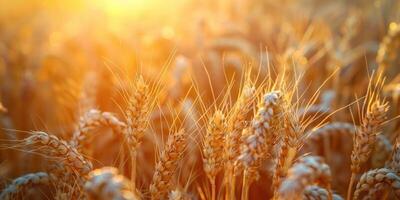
[[200, 99]]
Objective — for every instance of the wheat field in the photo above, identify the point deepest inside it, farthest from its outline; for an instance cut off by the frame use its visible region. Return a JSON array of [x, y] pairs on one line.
[[200, 99]]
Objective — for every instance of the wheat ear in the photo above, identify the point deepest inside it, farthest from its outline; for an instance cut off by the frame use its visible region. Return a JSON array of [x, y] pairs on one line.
[[26, 181], [137, 120], [365, 138], [307, 171], [178, 195], [236, 122], [394, 161], [55, 147], [375, 178], [314, 192], [389, 47], [92, 120], [258, 137], [167, 164], [290, 144], [106, 183], [213, 150], [382, 151]]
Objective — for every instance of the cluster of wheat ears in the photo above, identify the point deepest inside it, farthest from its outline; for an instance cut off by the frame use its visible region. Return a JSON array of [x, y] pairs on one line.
[[281, 127]]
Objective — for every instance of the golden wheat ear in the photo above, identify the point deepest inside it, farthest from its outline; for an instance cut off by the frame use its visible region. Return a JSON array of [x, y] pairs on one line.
[[60, 150], [259, 137], [22, 183], [213, 148], [307, 171], [315, 192], [389, 47], [106, 183], [376, 180], [137, 120], [89, 122], [236, 122], [167, 164], [178, 194], [372, 119]]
